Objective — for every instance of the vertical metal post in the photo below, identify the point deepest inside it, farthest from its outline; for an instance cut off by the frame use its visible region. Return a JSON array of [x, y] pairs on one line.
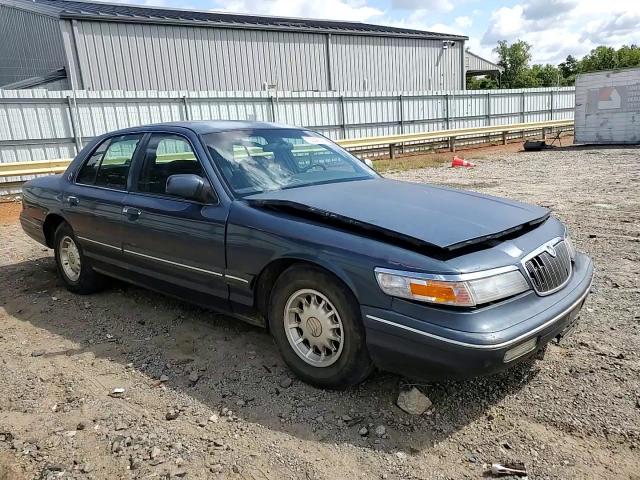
[[522, 106], [185, 107], [551, 104], [343, 121], [74, 126], [446, 108], [488, 109], [273, 108], [401, 114]]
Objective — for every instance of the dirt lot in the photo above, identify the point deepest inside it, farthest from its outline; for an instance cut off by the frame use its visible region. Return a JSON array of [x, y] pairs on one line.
[[574, 415]]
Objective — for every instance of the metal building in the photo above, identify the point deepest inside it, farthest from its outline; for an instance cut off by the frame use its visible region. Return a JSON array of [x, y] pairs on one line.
[[101, 46]]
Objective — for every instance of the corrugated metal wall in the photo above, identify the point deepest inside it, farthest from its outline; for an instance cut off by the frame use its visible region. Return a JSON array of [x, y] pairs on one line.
[[132, 56], [387, 63], [39, 124], [30, 45], [473, 63]]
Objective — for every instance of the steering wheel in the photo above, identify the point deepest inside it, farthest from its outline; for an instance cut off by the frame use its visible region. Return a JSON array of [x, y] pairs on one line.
[[313, 165]]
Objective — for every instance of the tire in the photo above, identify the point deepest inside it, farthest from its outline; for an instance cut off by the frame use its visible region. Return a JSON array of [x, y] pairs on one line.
[[346, 361], [74, 268]]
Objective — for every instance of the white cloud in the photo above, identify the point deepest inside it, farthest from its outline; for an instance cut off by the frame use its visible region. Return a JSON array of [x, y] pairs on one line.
[[357, 11], [557, 28], [428, 5], [463, 22]]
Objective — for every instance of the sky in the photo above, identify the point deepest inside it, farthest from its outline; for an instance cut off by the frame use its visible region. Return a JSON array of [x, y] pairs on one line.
[[555, 28]]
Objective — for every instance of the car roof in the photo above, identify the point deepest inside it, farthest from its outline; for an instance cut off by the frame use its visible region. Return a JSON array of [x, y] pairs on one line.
[[206, 126]]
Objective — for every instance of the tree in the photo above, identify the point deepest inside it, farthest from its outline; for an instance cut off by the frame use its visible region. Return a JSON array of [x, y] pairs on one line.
[[600, 58], [569, 70], [514, 59], [544, 76], [483, 82], [629, 56]]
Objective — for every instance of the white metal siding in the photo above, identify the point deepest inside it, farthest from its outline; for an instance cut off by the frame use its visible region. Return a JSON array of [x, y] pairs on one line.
[[473, 63], [30, 45], [131, 56], [608, 107], [394, 64]]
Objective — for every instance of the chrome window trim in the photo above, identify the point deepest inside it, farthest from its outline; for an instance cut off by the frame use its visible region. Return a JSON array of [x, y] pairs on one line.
[[99, 243], [457, 277], [495, 346], [538, 251], [189, 267]]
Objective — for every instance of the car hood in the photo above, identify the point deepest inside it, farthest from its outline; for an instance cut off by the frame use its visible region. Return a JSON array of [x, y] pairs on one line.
[[422, 214]]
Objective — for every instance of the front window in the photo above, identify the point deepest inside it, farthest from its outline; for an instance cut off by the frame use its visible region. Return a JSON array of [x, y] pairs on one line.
[[261, 160]]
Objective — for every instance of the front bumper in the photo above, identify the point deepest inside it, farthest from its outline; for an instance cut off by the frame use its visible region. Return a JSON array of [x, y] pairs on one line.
[[424, 349]]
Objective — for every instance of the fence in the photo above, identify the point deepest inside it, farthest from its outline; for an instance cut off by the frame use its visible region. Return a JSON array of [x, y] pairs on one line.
[[41, 125]]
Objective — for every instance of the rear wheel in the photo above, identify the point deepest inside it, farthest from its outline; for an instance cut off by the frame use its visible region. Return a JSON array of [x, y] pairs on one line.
[[73, 266], [315, 320]]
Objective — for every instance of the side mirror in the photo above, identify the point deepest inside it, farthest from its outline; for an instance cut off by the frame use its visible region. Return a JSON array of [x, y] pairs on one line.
[[187, 186]]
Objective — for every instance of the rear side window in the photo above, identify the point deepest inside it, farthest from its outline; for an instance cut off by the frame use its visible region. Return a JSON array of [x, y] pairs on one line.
[[108, 166]]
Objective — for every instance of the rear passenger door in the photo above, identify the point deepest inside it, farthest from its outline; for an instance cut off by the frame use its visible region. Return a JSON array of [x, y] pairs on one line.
[[92, 204], [172, 240]]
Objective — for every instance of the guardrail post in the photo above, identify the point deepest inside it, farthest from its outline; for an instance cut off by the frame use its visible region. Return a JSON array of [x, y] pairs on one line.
[[185, 107], [74, 128], [392, 151], [343, 122], [504, 137], [452, 144]]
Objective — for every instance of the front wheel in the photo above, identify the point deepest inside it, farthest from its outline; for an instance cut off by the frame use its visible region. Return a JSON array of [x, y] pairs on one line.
[[73, 266], [315, 321]]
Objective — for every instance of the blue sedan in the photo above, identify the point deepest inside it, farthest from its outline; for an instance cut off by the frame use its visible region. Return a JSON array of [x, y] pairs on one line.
[[282, 228]]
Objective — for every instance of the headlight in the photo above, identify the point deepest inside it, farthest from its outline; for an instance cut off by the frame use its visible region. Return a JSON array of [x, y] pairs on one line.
[[467, 290]]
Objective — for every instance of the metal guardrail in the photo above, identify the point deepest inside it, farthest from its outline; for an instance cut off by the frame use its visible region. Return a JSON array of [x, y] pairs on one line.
[[16, 169], [452, 135]]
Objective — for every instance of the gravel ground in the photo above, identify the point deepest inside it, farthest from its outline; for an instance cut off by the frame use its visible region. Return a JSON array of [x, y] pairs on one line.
[[207, 397]]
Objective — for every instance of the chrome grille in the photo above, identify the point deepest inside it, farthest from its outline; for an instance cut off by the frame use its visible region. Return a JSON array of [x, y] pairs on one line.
[[549, 273]]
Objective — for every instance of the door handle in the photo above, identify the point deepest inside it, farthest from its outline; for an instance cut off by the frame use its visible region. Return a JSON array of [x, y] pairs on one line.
[[72, 201], [131, 212]]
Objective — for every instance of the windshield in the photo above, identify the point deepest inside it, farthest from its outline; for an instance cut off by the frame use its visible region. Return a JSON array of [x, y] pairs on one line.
[[261, 160]]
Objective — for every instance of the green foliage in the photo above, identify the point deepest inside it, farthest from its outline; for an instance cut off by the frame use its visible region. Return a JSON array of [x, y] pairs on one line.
[[482, 83], [518, 73], [515, 60]]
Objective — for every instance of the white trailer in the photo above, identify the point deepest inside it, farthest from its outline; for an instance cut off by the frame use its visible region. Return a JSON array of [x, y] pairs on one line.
[[608, 107]]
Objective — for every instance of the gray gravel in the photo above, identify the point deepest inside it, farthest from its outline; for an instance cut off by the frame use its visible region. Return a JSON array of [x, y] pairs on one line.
[[207, 397]]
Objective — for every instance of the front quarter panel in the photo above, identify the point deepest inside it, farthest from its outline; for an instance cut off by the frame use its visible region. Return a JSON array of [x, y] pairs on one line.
[[257, 237]]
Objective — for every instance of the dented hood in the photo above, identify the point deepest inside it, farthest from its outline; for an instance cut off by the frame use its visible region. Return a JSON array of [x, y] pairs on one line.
[[422, 214]]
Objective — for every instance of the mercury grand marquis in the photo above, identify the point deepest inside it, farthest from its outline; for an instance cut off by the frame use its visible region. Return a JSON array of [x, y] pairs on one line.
[[280, 227]]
